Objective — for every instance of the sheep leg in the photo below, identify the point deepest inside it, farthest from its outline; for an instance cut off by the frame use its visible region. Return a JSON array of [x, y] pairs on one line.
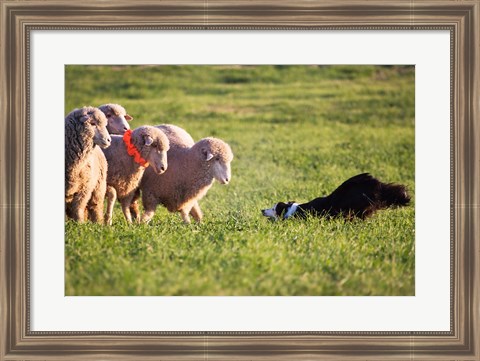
[[134, 208], [196, 212], [126, 203], [126, 211], [79, 215], [185, 216], [147, 215], [95, 212], [149, 207], [95, 204], [111, 197], [135, 211], [76, 209]]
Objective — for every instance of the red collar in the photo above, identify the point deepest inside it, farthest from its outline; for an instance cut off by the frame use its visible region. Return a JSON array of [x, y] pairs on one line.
[[132, 150]]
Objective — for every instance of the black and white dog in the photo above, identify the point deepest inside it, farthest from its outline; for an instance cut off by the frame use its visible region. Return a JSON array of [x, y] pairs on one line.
[[359, 196]]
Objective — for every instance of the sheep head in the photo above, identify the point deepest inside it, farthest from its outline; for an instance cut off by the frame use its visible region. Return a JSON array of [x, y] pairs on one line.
[[217, 156], [94, 125], [153, 146], [117, 118]]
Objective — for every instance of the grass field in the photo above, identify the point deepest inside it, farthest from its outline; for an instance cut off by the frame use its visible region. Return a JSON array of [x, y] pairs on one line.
[[297, 132]]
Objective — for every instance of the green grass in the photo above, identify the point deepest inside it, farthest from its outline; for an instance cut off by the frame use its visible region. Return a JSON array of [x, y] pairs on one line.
[[297, 132]]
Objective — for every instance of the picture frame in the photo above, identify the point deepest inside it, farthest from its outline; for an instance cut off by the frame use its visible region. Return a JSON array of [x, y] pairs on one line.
[[18, 341]]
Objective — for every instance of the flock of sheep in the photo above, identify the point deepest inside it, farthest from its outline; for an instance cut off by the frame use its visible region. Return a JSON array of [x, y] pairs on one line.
[[105, 159]]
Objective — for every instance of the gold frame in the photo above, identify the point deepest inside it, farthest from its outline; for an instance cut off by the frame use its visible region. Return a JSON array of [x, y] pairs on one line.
[[18, 18]]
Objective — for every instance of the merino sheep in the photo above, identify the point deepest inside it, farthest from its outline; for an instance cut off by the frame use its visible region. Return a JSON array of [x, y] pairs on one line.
[[179, 138], [117, 118], [127, 158], [85, 164], [191, 173]]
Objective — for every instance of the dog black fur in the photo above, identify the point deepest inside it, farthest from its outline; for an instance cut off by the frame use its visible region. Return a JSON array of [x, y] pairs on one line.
[[360, 196]]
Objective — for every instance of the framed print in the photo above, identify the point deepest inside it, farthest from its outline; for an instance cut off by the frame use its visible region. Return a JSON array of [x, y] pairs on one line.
[[305, 95]]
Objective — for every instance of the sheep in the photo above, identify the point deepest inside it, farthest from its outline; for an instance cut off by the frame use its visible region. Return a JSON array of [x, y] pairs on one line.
[[117, 118], [178, 137], [127, 158], [85, 164], [191, 173]]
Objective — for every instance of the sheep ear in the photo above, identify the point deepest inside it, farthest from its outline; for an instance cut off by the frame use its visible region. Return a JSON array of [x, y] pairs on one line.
[[207, 154], [85, 117], [128, 117], [148, 140]]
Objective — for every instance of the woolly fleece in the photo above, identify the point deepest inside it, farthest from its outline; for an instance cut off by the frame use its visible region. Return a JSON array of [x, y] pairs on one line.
[[188, 178], [85, 164], [124, 174]]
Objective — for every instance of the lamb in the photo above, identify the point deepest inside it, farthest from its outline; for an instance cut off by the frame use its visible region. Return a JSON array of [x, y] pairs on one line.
[[85, 164], [117, 118], [127, 158], [191, 172]]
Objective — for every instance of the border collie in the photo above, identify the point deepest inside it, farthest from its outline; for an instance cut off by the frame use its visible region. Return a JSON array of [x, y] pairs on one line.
[[359, 196]]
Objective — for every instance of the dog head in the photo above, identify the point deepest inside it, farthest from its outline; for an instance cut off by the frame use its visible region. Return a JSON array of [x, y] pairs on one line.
[[278, 211]]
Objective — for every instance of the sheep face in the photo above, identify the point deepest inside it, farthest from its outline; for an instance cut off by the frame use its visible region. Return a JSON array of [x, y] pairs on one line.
[[117, 118], [95, 124], [222, 171], [218, 156], [153, 145]]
